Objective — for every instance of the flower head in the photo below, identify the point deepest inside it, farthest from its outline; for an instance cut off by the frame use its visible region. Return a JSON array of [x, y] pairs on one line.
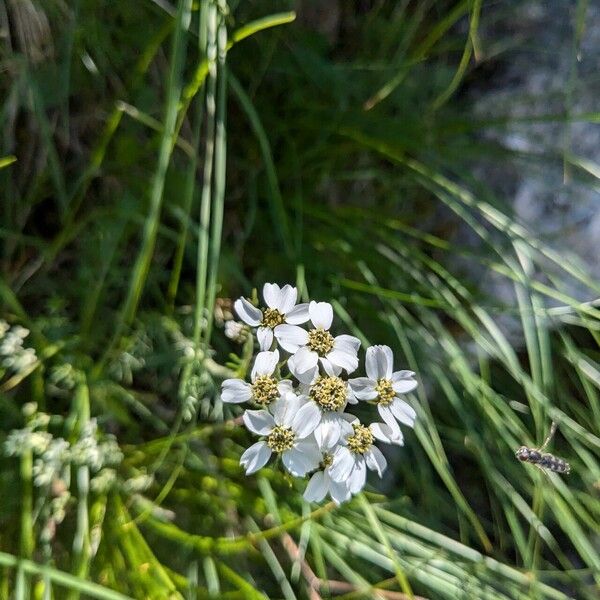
[[304, 420], [355, 454], [330, 394], [264, 388], [320, 483], [281, 308], [317, 345], [286, 431], [385, 387]]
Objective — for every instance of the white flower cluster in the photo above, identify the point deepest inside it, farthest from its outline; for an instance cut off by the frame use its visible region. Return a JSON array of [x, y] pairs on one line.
[[303, 397], [13, 355], [53, 455]]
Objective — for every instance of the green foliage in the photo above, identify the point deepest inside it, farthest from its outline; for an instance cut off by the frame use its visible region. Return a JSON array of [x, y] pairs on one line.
[[156, 157]]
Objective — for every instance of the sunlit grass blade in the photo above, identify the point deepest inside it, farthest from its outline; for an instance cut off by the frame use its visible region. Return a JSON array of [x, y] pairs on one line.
[[144, 257]]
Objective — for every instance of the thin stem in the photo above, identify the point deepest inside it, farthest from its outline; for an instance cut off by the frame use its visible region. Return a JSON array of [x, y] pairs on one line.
[[142, 263], [220, 167], [27, 542], [192, 169], [81, 541], [205, 204]]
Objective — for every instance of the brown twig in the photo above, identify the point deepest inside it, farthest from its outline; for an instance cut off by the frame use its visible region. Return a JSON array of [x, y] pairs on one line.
[[316, 584]]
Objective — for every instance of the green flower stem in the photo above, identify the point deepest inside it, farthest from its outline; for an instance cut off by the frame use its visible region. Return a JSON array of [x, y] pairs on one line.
[[192, 169], [27, 542], [81, 541], [224, 545], [151, 224]]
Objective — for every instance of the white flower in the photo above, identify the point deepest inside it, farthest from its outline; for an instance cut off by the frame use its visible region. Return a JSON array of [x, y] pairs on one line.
[[264, 388], [317, 345], [384, 387], [354, 455], [286, 430], [330, 394], [281, 308], [321, 483]]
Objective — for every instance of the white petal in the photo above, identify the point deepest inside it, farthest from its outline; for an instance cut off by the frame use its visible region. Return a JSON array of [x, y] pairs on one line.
[[363, 388], [306, 419], [342, 359], [321, 314], [289, 295], [247, 312], [308, 447], [376, 460], [350, 395], [255, 457], [384, 433], [388, 361], [297, 462], [404, 412], [272, 295], [284, 410], [264, 335], [338, 490], [397, 375], [346, 422], [235, 391], [316, 489], [358, 477], [329, 368], [264, 364], [285, 386], [259, 421], [387, 415], [348, 343], [371, 363], [328, 431], [298, 314], [342, 465], [307, 377], [291, 337], [379, 362], [403, 382], [303, 361]]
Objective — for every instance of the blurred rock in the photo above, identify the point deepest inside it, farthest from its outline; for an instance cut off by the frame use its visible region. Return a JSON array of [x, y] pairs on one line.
[[550, 70]]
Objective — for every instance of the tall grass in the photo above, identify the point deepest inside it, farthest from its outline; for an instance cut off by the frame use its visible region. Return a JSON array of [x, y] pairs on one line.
[[157, 159]]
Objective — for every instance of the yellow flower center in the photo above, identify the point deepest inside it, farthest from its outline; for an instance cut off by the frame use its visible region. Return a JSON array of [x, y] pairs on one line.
[[329, 393], [271, 318], [264, 390], [320, 341], [326, 462], [385, 392], [281, 439], [361, 440]]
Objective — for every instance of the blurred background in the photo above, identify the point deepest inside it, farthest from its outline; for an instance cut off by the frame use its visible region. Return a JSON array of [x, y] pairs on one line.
[[430, 167]]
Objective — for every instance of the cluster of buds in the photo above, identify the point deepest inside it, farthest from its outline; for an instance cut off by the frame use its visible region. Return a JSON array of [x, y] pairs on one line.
[[300, 389], [53, 456], [14, 356]]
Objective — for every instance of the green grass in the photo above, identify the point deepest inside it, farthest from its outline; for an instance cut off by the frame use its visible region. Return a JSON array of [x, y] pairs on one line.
[[157, 160]]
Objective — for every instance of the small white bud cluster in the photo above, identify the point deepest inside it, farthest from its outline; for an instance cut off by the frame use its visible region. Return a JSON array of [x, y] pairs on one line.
[[302, 397], [14, 356], [133, 358], [54, 455], [236, 331]]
